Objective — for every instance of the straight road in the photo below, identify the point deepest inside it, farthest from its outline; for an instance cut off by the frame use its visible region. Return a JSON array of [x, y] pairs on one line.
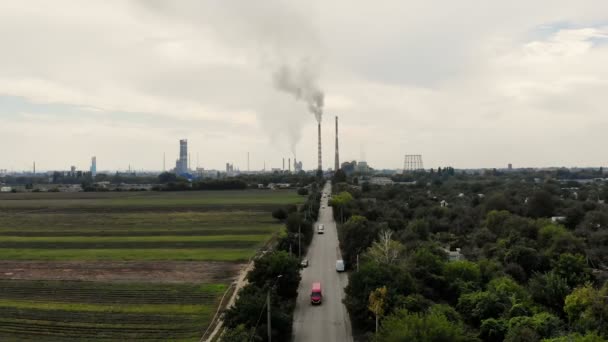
[[328, 321]]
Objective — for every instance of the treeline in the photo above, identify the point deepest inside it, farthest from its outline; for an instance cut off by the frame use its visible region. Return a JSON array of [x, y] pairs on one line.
[[475, 258], [220, 184], [276, 275]]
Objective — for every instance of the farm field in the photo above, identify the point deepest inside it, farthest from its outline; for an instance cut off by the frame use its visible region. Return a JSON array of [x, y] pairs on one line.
[[125, 266]]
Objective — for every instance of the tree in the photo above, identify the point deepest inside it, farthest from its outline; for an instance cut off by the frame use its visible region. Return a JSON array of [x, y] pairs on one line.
[[250, 304], [420, 228], [574, 269], [279, 214], [589, 337], [541, 204], [528, 258], [268, 268], [587, 309], [496, 201], [481, 305], [526, 328], [431, 327], [238, 334], [356, 235], [427, 265], [167, 177], [339, 177], [549, 289], [370, 277], [501, 294], [522, 333], [385, 250], [377, 303], [461, 277], [339, 202], [493, 329]]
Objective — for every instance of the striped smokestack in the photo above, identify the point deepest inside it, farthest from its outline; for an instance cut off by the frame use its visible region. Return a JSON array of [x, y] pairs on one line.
[[320, 156]]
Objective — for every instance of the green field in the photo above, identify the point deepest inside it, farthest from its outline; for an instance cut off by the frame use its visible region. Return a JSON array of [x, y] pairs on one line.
[[150, 228]]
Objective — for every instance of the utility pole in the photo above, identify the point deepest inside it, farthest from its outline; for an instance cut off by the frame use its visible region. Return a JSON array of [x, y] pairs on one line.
[[299, 242], [268, 316]]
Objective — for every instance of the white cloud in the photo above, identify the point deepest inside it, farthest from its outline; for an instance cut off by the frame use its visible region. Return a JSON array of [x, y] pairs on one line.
[[465, 83]]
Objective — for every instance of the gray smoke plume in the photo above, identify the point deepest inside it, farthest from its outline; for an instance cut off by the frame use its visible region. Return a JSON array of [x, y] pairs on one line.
[[301, 82]]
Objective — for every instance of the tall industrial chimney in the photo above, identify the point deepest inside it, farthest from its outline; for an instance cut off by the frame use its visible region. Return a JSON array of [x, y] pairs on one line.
[[289, 164], [337, 166], [320, 156]]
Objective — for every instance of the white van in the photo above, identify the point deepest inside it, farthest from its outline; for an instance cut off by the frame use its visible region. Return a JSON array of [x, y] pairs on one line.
[[340, 265], [320, 229]]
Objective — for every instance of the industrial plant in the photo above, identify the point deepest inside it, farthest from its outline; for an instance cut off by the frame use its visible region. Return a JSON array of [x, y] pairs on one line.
[[181, 165]]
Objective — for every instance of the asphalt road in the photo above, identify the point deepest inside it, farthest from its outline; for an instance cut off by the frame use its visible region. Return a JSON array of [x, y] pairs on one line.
[[328, 321]]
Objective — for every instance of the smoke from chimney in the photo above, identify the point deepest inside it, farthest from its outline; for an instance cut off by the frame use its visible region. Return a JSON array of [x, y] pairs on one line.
[[301, 82]]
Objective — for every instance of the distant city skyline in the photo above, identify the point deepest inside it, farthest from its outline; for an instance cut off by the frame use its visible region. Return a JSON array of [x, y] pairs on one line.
[[466, 84]]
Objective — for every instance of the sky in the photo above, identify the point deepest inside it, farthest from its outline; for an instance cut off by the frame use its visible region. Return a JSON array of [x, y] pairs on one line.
[[464, 83]]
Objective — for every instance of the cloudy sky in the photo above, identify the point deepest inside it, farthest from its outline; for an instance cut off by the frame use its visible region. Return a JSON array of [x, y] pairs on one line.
[[464, 83]]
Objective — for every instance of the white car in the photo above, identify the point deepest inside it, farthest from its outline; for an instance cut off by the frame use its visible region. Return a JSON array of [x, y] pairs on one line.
[[304, 263], [321, 229], [340, 265]]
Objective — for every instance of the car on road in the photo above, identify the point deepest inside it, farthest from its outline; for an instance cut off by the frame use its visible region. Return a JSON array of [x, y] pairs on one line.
[[340, 265], [304, 263], [316, 295], [321, 229]]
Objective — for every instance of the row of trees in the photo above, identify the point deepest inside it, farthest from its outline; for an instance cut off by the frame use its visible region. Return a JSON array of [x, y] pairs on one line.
[[518, 275], [275, 278]]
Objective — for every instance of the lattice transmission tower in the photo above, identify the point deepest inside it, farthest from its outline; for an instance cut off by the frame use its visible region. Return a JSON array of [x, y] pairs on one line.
[[413, 162]]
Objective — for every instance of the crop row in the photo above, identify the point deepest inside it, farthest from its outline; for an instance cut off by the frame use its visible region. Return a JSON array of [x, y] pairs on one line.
[[108, 293], [92, 317], [103, 298], [120, 231], [219, 254], [129, 244], [94, 332], [139, 208], [81, 239], [129, 220]]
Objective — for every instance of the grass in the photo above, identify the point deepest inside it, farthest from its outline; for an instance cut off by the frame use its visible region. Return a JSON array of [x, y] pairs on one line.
[[224, 226]]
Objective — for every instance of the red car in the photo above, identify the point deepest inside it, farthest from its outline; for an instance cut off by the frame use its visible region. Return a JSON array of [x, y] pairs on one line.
[[316, 296]]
